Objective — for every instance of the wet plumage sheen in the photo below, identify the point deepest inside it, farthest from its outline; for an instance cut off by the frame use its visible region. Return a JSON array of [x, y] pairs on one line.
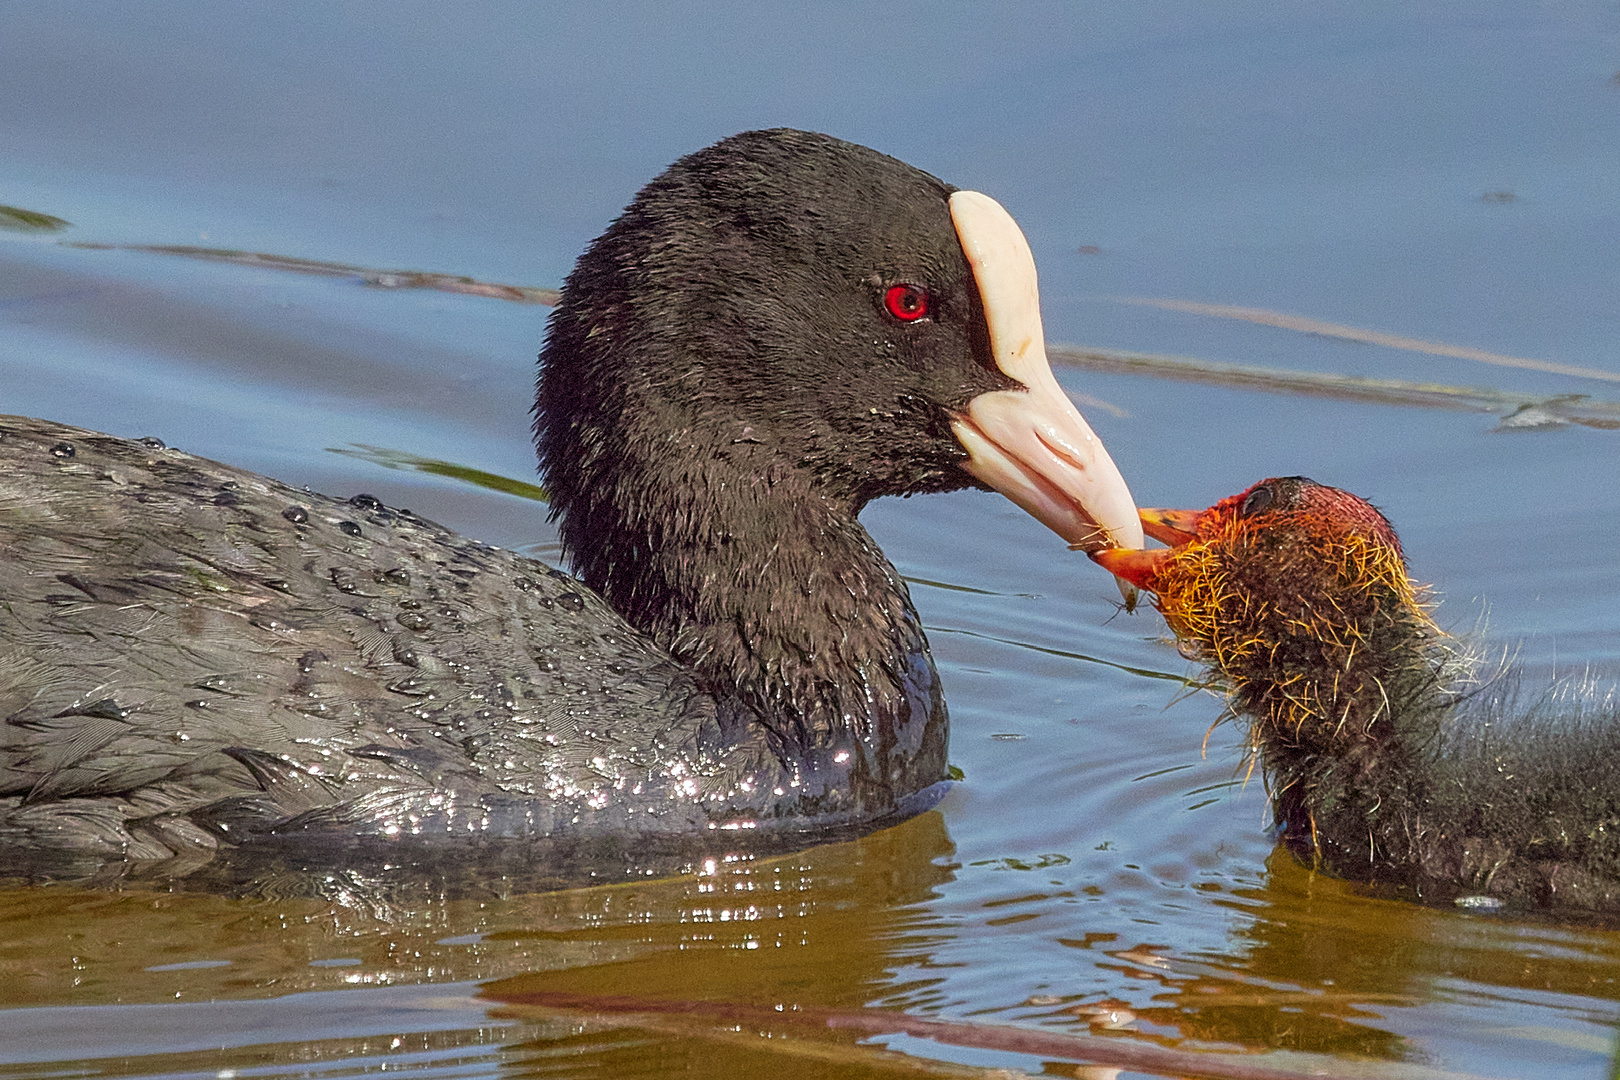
[[197, 662], [1389, 761]]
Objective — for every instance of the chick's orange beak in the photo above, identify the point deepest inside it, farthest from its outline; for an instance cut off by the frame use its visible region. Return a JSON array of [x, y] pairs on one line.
[[1173, 527], [1142, 568]]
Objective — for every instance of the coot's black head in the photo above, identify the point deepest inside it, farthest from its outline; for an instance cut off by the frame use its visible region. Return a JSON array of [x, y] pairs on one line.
[[779, 290], [786, 306]]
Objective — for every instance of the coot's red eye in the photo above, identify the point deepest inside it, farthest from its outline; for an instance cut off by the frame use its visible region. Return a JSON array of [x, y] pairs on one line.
[[908, 303]]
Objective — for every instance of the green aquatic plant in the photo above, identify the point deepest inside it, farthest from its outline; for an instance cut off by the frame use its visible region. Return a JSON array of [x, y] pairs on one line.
[[400, 459], [19, 220]]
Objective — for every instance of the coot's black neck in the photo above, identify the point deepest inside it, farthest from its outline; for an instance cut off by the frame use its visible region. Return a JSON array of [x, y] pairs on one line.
[[773, 594]]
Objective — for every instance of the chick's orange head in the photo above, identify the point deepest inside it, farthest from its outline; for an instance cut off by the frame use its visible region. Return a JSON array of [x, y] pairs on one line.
[[1285, 558]]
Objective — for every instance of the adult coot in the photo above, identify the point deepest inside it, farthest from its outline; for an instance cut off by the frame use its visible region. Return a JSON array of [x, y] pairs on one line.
[[1387, 761], [195, 660]]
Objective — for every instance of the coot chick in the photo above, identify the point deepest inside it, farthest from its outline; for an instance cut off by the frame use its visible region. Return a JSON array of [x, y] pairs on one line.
[[195, 660], [1386, 761]]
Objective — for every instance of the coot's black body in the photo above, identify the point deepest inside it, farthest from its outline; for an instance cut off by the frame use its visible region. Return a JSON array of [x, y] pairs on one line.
[[197, 662], [199, 658]]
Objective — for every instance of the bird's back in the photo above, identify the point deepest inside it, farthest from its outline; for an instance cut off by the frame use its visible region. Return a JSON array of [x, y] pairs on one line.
[[191, 655]]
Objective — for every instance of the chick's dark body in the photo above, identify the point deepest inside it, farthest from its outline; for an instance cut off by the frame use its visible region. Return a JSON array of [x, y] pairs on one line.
[[1390, 758]]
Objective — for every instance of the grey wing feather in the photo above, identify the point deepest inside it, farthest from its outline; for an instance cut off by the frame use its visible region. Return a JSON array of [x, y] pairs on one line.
[[180, 640]]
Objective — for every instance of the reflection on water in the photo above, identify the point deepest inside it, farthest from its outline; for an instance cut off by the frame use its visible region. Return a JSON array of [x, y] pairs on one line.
[[1314, 969], [831, 926], [844, 902], [1322, 968]]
